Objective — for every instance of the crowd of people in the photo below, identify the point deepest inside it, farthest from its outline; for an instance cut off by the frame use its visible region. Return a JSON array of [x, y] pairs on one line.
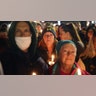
[[29, 48]]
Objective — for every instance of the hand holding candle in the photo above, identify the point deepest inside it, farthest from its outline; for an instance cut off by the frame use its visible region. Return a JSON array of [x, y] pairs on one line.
[[51, 62]]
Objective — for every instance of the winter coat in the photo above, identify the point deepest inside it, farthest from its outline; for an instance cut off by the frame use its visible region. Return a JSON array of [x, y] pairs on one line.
[[16, 62]]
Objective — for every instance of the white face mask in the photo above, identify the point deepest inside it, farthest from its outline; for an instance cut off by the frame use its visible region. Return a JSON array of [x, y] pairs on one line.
[[23, 42]]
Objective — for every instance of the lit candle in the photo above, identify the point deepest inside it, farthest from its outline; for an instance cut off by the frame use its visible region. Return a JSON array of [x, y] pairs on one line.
[[52, 57], [51, 62], [79, 71], [33, 73], [41, 31]]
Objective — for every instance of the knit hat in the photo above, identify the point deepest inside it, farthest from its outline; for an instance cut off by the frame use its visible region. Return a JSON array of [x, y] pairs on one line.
[[49, 29], [61, 43]]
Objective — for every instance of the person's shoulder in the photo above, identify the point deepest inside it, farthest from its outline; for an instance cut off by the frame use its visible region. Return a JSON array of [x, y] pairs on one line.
[[9, 53], [5, 53], [84, 72], [40, 65], [40, 61]]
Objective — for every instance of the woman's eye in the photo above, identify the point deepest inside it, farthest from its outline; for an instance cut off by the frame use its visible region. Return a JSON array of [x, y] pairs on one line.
[[64, 51], [27, 30], [72, 52], [17, 31], [51, 34]]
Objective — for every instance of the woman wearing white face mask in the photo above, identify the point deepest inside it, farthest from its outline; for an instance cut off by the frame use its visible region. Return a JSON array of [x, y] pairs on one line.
[[20, 58]]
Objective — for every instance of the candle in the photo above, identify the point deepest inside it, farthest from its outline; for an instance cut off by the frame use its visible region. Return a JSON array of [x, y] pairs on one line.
[[52, 57], [79, 71], [33, 73], [41, 31], [51, 62]]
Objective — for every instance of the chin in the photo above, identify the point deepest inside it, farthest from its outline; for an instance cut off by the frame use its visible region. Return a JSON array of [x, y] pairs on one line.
[[69, 63]]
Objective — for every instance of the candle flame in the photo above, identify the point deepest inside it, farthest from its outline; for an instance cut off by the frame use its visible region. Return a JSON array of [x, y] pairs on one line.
[[33, 73], [51, 62], [79, 71], [53, 57]]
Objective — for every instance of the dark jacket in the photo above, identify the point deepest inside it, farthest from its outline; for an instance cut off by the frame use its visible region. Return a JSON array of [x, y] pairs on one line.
[[90, 64], [20, 63], [41, 52], [17, 62]]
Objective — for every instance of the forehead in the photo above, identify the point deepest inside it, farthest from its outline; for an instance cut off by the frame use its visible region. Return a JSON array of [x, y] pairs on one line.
[[48, 32], [62, 31], [90, 30], [69, 46], [38, 26], [22, 25]]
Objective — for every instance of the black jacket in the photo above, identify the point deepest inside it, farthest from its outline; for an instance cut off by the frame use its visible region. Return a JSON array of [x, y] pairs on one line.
[[17, 62], [20, 63]]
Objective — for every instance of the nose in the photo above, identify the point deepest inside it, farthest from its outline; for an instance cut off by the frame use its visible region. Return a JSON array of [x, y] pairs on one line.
[[48, 36], [23, 35], [69, 53]]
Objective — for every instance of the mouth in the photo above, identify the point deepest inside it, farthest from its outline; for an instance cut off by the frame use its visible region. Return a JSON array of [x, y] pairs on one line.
[[68, 59], [48, 40]]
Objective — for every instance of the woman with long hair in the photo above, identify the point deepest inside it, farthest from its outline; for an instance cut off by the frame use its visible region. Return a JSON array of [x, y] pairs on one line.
[[46, 47]]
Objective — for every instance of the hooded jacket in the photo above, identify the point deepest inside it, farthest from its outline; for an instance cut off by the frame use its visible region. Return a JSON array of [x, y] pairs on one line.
[[17, 62]]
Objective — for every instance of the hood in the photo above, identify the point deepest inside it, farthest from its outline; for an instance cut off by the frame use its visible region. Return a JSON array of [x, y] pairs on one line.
[[11, 36]]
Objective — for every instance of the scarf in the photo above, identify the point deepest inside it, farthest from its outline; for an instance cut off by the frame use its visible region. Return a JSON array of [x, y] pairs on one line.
[[56, 69]]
